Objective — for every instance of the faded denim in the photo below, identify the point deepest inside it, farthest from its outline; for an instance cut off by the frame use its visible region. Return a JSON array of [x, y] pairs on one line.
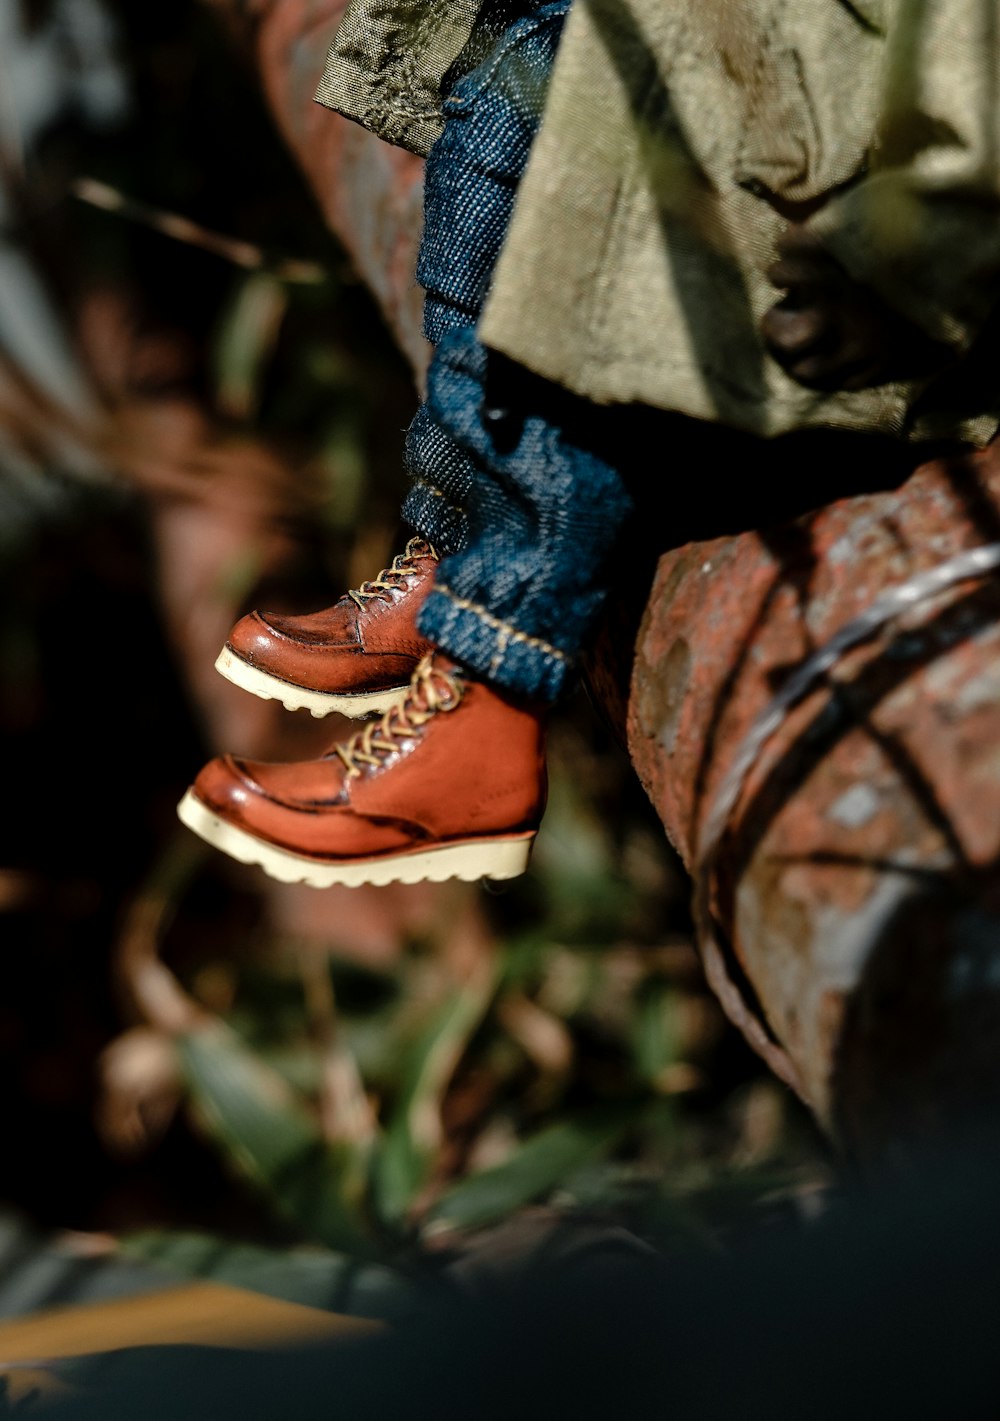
[[470, 182], [522, 578]]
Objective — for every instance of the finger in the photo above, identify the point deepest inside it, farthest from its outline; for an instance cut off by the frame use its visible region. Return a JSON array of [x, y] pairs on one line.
[[805, 269], [817, 372], [831, 370], [793, 331], [798, 239]]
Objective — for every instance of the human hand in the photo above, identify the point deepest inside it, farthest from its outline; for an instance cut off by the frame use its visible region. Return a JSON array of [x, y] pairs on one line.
[[829, 332]]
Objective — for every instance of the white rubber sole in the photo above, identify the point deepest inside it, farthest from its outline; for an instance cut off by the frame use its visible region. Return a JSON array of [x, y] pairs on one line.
[[471, 860], [317, 703]]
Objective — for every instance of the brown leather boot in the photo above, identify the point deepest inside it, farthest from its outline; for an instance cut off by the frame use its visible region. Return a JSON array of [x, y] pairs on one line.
[[450, 783], [355, 657]]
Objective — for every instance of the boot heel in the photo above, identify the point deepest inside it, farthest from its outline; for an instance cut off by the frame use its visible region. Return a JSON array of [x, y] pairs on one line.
[[476, 858]]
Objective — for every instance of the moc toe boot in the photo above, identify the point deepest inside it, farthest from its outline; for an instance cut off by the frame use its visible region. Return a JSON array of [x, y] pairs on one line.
[[355, 657], [449, 783]]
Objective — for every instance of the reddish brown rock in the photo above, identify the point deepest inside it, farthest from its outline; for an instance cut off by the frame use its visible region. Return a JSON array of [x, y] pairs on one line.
[[857, 921]]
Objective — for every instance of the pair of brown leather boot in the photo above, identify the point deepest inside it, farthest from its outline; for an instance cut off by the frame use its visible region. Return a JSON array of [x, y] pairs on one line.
[[448, 782]]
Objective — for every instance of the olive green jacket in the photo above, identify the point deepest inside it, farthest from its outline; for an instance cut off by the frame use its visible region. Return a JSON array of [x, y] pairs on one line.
[[678, 138]]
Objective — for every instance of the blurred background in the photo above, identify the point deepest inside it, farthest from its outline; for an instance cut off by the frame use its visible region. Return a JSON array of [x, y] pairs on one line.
[[328, 1096]]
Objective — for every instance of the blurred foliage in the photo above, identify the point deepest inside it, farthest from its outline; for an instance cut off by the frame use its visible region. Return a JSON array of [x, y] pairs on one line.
[[322, 1098], [548, 1045]]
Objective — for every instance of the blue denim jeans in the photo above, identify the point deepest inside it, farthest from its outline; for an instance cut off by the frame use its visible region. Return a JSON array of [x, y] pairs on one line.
[[470, 182], [525, 513]]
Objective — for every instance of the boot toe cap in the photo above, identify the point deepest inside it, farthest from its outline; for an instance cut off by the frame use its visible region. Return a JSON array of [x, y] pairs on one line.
[[222, 787], [257, 637]]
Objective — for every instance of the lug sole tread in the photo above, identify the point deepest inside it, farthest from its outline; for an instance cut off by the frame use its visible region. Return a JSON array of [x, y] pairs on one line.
[[318, 703], [471, 860]]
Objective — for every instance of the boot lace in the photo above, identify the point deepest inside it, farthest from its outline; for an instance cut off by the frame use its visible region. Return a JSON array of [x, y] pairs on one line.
[[402, 565], [431, 689]]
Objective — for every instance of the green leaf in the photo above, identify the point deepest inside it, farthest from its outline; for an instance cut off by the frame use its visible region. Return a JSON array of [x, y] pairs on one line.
[[655, 1030], [539, 1167], [405, 1158], [574, 861], [315, 1277], [246, 339], [344, 461], [269, 1134]]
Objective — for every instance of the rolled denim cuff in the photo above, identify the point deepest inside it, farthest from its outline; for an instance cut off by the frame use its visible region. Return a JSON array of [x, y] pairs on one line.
[[494, 649], [428, 511]]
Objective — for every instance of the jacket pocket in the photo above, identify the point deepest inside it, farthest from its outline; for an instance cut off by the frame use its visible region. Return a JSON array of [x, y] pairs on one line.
[[811, 98]]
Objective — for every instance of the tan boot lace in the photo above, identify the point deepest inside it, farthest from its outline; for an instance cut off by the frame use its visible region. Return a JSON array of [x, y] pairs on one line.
[[390, 577], [431, 689]]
